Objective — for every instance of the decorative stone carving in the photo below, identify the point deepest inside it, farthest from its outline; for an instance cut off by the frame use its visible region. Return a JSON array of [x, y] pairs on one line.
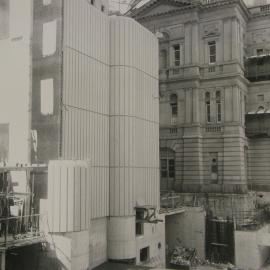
[[177, 30], [211, 30]]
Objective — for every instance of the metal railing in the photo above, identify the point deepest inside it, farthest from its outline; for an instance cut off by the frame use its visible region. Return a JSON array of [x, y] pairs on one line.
[[258, 131], [16, 230], [19, 219], [250, 220]]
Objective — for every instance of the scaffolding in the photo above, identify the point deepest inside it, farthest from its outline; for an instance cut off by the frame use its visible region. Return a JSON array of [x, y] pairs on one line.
[[19, 210]]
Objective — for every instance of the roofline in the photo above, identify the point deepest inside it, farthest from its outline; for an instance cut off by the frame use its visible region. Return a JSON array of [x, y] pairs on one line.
[[196, 6]]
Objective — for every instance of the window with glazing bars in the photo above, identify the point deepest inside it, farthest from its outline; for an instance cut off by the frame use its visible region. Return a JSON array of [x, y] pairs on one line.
[[212, 52], [174, 107], [177, 52], [208, 108], [218, 106], [167, 167]]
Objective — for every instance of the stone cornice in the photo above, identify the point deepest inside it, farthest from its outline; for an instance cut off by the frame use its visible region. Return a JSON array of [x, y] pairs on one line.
[[197, 6], [168, 13]]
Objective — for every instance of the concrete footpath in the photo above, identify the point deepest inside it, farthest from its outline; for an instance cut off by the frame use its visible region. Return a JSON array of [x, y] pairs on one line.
[[118, 266]]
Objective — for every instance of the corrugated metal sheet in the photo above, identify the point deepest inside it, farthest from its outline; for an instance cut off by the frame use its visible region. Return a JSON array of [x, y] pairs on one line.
[[85, 132], [86, 83], [76, 193], [134, 122]]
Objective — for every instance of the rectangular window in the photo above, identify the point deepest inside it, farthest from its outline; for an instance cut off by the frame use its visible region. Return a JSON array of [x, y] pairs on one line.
[[176, 55], [218, 104], [144, 254], [49, 38], [174, 109], [259, 51], [139, 228], [212, 52], [4, 19], [46, 97], [208, 108], [171, 168], [218, 112], [260, 98], [208, 112], [163, 167], [139, 223], [168, 167]]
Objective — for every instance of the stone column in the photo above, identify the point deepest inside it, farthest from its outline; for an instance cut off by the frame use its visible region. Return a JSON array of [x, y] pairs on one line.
[[188, 113], [234, 44], [195, 107], [188, 45], [195, 43], [227, 39], [236, 104]]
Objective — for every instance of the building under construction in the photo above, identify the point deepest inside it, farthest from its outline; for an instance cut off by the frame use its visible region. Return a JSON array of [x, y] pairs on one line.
[[79, 102]]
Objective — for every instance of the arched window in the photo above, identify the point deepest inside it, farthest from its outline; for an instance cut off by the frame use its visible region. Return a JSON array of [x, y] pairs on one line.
[[173, 102], [163, 59], [207, 107], [218, 106]]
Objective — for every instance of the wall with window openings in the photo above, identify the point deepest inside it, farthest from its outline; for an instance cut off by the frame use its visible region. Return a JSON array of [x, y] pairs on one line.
[[202, 41], [202, 57], [15, 90]]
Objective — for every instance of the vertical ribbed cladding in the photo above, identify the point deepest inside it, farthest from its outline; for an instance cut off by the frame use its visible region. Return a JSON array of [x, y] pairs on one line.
[[134, 117], [85, 133], [75, 196]]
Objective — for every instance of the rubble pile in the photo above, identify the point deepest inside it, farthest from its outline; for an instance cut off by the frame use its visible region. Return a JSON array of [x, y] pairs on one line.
[[182, 256]]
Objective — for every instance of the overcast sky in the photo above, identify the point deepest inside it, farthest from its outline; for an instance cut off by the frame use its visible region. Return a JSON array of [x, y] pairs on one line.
[[114, 4], [122, 4]]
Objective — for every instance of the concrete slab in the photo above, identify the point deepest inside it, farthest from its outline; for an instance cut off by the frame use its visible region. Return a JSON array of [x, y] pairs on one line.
[[119, 266]]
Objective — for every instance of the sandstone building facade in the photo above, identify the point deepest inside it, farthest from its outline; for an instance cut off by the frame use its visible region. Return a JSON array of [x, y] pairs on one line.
[[214, 93]]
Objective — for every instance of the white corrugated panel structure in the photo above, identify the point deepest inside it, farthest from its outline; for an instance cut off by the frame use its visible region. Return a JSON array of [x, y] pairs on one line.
[[85, 83], [134, 117], [75, 196], [85, 128]]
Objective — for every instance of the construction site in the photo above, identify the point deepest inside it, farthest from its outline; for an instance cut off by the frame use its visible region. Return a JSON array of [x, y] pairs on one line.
[[137, 141]]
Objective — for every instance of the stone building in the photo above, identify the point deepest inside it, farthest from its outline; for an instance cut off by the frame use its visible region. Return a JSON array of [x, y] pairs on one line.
[[214, 94]]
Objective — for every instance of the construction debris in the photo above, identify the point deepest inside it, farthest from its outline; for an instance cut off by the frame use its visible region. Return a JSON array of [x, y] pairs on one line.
[[187, 257]]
